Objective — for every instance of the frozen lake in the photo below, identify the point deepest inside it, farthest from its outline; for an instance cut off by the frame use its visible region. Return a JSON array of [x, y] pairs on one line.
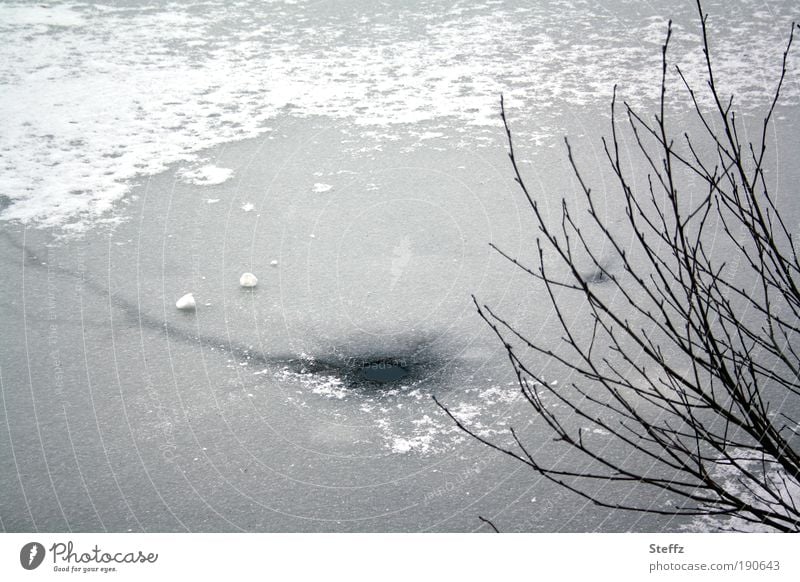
[[350, 155]]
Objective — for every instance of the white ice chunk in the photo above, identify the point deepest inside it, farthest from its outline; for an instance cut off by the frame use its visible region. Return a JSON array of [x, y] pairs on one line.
[[248, 280], [186, 303]]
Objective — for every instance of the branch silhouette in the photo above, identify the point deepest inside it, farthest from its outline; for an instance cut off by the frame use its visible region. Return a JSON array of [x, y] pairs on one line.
[[687, 358]]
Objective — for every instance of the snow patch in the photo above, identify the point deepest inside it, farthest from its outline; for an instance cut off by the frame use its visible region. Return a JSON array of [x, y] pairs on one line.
[[208, 175], [421, 444], [320, 188]]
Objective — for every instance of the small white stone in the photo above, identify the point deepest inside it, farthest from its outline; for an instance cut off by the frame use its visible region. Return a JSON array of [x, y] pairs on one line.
[[248, 280], [186, 303]]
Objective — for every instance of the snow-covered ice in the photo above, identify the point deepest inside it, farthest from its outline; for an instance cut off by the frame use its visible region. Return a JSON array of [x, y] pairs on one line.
[[96, 96], [248, 280]]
